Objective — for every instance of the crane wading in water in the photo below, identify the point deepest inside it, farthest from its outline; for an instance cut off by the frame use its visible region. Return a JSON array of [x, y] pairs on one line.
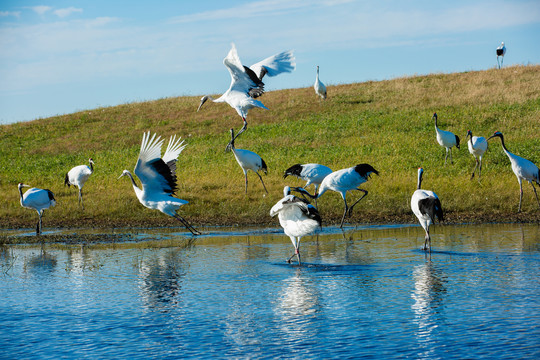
[[297, 217], [426, 205], [37, 199]]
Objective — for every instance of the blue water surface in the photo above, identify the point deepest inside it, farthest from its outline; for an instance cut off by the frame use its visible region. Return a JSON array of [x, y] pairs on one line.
[[363, 293]]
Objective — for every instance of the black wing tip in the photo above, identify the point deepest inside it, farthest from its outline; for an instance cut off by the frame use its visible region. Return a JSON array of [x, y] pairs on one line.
[[66, 180], [51, 194], [263, 166]]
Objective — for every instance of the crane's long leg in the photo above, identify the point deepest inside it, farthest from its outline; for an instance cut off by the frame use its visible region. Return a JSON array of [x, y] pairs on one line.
[[451, 160], [244, 128], [480, 168], [296, 243], [535, 194], [498, 65], [520, 195], [427, 242], [446, 157], [262, 182], [344, 212], [475, 166], [246, 180], [363, 196], [81, 199], [187, 224], [38, 229]]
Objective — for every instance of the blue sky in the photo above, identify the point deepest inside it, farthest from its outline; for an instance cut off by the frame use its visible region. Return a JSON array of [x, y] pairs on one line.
[[58, 57]]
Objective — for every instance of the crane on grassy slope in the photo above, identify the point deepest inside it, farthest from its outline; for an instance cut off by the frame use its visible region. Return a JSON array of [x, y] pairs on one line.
[[311, 173], [477, 147], [319, 87], [426, 205], [446, 139], [248, 160], [78, 176], [501, 51], [523, 168], [342, 181], [158, 177], [297, 217], [246, 82], [37, 199]]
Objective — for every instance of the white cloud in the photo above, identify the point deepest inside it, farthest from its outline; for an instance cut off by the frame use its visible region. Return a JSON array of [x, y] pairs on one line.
[[10, 13], [62, 13], [41, 9]]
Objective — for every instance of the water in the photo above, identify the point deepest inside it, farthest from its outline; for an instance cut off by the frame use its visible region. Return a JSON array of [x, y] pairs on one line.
[[366, 293]]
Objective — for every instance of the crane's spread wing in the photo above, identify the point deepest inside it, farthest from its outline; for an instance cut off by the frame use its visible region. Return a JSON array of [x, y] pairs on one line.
[[275, 65], [154, 173], [174, 149], [243, 79]]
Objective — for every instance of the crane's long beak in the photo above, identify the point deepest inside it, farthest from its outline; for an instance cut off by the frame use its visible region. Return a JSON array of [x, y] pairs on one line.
[[203, 100]]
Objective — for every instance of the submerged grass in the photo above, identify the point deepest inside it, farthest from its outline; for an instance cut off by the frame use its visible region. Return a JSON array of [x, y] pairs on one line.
[[385, 123]]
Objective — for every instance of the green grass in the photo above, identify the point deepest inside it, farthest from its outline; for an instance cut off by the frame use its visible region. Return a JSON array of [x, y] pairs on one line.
[[386, 124]]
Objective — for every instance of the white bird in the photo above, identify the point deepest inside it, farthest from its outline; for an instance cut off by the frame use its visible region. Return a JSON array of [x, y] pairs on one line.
[[311, 173], [446, 139], [158, 177], [319, 87], [77, 176], [477, 147], [426, 205], [248, 160], [37, 199], [297, 217], [342, 181], [523, 168], [246, 82], [501, 50]]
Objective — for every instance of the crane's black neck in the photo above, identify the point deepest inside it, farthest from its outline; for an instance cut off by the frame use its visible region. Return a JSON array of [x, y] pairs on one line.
[[20, 192], [132, 180], [91, 166]]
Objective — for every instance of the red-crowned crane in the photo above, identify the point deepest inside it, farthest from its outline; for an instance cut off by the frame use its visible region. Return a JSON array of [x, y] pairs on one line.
[[319, 87], [248, 160], [342, 181], [426, 205], [246, 82], [37, 199], [78, 176], [446, 139], [477, 147], [297, 217], [500, 51], [158, 177], [311, 173], [523, 168]]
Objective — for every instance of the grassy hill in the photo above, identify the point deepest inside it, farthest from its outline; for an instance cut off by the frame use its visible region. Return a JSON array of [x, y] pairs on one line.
[[385, 123]]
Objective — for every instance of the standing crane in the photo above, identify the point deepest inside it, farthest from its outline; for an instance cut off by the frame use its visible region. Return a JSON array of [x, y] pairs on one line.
[[248, 160], [426, 205], [319, 87], [246, 82], [297, 217], [446, 139], [501, 51], [342, 181], [158, 177], [477, 147], [78, 176], [523, 168], [37, 199]]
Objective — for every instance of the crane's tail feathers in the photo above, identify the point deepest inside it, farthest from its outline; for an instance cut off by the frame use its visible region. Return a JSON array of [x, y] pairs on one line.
[[150, 147], [66, 180]]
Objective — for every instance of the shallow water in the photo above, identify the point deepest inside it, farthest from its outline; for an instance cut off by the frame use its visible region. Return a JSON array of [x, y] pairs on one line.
[[368, 292]]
